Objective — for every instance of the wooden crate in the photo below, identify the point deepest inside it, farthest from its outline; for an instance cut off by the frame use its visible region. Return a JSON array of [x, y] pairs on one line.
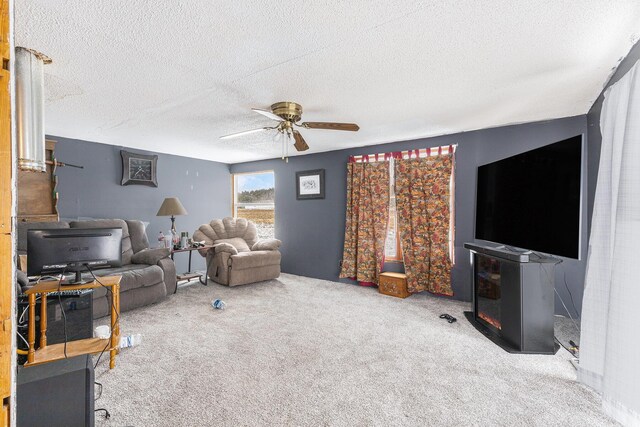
[[393, 284]]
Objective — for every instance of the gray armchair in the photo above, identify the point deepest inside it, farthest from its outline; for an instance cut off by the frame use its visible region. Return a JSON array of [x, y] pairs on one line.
[[238, 257]]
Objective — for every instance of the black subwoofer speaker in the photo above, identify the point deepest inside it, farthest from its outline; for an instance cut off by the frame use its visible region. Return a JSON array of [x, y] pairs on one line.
[[54, 394]]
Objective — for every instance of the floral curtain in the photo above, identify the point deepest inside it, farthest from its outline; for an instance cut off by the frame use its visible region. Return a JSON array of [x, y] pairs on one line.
[[423, 204], [367, 218]]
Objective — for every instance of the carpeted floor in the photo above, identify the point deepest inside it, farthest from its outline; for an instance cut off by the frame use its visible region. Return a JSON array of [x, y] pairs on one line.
[[305, 352]]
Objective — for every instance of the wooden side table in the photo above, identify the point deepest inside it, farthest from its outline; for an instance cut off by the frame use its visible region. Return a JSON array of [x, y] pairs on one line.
[[190, 275], [48, 353]]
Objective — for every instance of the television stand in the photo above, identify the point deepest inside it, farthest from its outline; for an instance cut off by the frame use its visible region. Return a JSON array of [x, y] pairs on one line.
[[48, 353], [513, 299], [497, 339]]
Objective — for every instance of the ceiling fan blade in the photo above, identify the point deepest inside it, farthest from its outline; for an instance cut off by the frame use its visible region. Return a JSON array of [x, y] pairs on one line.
[[268, 114], [246, 132], [300, 144], [331, 126]]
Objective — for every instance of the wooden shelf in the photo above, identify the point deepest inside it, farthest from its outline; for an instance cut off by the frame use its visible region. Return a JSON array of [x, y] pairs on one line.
[[49, 353], [188, 276], [38, 218], [47, 286], [74, 348]]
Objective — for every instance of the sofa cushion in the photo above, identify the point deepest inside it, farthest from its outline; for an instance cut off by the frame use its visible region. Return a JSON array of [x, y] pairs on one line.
[[133, 276], [129, 300], [236, 242], [150, 256], [266, 245], [23, 227], [138, 235], [254, 259], [127, 250]]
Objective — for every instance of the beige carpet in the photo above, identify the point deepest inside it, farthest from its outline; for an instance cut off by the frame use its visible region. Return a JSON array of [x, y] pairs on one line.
[[305, 352]]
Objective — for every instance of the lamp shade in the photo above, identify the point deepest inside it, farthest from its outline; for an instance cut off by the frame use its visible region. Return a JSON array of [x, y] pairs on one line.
[[171, 207]]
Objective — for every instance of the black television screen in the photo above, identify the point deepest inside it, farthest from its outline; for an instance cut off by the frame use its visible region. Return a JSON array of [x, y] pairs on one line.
[[69, 250], [532, 200]]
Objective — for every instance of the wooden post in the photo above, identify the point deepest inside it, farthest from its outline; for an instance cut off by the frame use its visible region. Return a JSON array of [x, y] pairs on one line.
[[116, 292], [43, 321], [113, 351], [7, 299], [32, 328]]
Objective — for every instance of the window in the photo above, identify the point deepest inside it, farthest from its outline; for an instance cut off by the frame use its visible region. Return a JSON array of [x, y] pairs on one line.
[[392, 248], [254, 199]]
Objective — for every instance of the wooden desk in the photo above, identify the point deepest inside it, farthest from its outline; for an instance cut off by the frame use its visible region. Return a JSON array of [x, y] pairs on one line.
[[47, 353]]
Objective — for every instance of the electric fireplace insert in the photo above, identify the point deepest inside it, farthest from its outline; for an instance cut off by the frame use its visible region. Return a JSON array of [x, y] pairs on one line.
[[513, 301]]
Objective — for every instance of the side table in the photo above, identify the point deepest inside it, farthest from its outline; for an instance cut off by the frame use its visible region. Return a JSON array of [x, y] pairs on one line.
[[190, 274], [47, 353]]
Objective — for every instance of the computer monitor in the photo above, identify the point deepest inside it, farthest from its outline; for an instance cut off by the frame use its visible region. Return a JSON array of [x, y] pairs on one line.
[[72, 250]]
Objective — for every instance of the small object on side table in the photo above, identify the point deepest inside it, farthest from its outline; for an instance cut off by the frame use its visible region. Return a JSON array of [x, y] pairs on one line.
[[393, 284]]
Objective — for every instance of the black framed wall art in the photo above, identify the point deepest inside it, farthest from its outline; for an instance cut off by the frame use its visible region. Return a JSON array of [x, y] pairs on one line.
[[139, 169], [310, 184]]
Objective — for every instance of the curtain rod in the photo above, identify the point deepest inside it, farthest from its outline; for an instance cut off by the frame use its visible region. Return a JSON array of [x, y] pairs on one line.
[[406, 154]]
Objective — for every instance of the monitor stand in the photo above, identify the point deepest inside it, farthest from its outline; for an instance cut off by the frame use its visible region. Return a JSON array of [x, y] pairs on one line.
[[77, 280]]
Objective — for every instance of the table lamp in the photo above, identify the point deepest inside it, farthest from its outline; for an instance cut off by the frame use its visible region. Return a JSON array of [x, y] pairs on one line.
[[171, 207]]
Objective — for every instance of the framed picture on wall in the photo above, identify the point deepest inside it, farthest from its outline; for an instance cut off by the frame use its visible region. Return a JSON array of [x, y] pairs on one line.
[[310, 184], [139, 169]]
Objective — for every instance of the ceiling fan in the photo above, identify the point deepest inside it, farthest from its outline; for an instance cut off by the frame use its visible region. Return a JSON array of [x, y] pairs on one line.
[[288, 116]]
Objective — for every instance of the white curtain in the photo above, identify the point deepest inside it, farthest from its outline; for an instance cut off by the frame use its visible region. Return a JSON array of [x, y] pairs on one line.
[[610, 336]]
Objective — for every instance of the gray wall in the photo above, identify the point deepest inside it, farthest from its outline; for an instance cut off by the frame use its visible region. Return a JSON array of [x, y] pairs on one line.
[[593, 121], [202, 186], [312, 231]]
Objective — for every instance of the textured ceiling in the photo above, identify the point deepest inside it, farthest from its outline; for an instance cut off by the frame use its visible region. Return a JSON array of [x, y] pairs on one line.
[[172, 77]]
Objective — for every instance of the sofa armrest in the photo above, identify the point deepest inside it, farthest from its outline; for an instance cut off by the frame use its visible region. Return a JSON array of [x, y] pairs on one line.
[[218, 266], [22, 282], [169, 270], [225, 247], [266, 245], [150, 256]]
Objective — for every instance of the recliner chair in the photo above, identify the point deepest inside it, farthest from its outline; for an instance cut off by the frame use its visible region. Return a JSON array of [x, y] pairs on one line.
[[238, 257]]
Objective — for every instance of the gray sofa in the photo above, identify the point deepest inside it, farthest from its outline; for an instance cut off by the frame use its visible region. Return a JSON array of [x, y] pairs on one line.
[[148, 275], [237, 256]]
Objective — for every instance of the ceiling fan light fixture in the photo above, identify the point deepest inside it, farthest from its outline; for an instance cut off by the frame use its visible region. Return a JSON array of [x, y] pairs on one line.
[[289, 111], [288, 114]]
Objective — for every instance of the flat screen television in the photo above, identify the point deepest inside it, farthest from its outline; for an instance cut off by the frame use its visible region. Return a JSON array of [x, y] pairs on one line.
[[532, 200], [72, 250]]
